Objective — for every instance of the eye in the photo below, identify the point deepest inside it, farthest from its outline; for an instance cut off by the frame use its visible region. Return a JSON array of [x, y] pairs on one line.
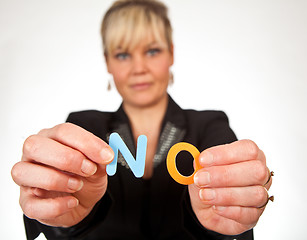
[[122, 56], [153, 51]]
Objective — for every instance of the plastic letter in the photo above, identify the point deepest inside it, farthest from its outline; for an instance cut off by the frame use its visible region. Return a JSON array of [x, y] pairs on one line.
[[171, 162], [137, 166]]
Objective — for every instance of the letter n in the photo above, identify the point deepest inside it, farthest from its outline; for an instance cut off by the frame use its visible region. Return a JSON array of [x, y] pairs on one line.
[[137, 165]]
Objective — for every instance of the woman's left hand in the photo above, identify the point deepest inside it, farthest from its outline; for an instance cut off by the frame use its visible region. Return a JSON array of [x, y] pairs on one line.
[[229, 191]]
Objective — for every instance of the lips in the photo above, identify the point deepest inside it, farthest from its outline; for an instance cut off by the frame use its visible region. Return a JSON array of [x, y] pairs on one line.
[[141, 86]]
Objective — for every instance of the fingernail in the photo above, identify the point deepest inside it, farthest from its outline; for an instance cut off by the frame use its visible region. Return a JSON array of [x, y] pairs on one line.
[[88, 167], [207, 194], [206, 158], [72, 203], [74, 184], [107, 155], [202, 179]]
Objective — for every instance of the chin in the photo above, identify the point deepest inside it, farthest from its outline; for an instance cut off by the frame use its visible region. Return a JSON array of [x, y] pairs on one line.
[[145, 100]]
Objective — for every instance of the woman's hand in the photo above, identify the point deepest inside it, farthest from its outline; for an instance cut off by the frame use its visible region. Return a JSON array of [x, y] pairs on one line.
[[62, 174], [229, 191]]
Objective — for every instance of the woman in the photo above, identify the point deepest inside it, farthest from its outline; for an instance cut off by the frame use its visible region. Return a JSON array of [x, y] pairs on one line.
[[65, 191]]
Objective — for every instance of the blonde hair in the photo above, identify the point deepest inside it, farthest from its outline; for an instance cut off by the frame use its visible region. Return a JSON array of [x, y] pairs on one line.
[[127, 22]]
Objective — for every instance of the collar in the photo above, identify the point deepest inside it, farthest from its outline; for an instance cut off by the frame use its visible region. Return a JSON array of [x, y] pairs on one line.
[[172, 131]]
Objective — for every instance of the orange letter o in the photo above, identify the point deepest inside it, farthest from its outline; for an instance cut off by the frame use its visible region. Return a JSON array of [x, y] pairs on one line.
[[171, 162]]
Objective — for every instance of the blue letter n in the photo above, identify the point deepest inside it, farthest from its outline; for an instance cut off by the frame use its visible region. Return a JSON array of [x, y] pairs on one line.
[[137, 166]]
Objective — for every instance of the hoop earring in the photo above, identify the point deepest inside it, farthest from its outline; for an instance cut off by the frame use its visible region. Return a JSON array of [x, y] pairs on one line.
[[171, 78]]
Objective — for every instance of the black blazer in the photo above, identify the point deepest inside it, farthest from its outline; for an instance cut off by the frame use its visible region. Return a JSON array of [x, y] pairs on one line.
[[158, 208]]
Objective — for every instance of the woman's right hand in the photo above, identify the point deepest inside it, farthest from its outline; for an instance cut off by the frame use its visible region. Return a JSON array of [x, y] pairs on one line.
[[62, 174]]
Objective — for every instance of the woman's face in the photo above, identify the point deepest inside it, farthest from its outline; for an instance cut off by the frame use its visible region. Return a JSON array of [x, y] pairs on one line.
[[141, 75]]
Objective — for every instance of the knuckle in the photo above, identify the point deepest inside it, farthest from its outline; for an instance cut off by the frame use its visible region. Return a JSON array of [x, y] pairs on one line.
[[33, 210], [28, 209], [252, 148], [262, 155], [69, 159], [30, 145], [43, 131], [55, 209], [61, 130], [66, 159], [261, 195], [261, 172], [51, 182], [226, 176], [229, 197], [16, 173], [238, 213]]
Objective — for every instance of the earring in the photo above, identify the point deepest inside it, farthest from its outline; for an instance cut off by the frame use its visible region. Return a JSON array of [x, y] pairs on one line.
[[171, 78], [109, 88]]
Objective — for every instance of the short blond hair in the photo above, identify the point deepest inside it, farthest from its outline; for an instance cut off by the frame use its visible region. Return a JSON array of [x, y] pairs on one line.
[[127, 22]]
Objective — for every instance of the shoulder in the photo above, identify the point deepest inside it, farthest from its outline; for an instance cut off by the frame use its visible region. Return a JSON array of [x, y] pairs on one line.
[[193, 117], [210, 126], [207, 120], [206, 116], [88, 115]]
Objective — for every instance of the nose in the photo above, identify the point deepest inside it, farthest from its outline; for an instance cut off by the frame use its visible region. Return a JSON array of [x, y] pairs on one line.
[[139, 65]]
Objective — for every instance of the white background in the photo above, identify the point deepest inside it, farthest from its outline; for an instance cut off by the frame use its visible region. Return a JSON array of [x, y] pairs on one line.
[[248, 58]]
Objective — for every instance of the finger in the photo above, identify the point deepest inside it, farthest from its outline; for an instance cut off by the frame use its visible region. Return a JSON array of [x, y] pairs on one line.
[[254, 196], [41, 193], [235, 152], [261, 156], [235, 175], [86, 142], [244, 215], [226, 225], [38, 176], [49, 152], [49, 208]]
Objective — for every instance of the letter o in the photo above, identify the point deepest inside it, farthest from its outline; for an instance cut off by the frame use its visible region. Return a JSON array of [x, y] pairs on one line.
[[171, 162]]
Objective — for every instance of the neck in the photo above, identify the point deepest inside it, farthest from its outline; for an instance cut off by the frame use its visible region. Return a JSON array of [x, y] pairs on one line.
[[148, 119]]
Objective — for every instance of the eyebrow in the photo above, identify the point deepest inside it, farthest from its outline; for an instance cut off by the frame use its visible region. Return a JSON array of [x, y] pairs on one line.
[[160, 44], [156, 43], [152, 43]]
